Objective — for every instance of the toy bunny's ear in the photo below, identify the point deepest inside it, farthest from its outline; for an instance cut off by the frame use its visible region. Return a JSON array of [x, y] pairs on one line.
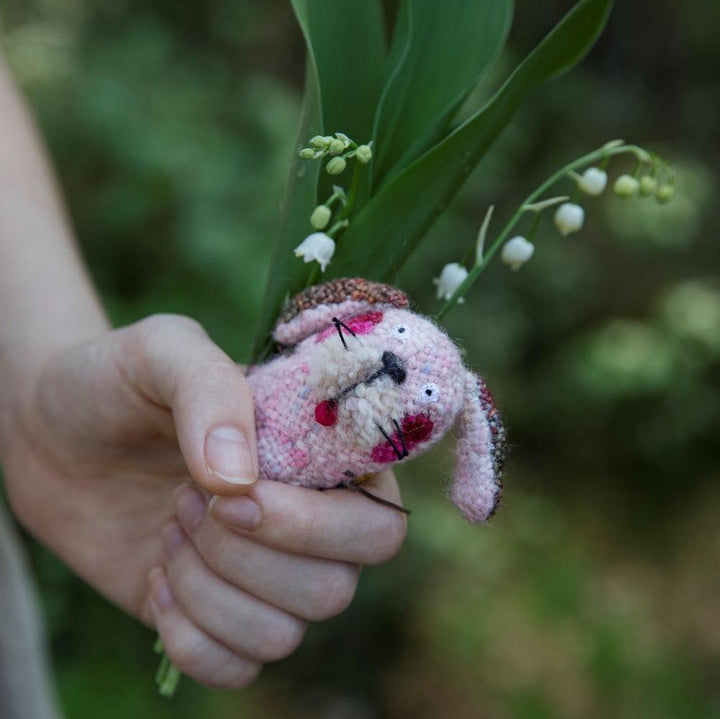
[[313, 309], [477, 485]]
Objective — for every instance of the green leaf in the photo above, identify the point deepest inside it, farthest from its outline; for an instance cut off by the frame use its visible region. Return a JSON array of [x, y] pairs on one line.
[[439, 52], [344, 75], [390, 226], [347, 39], [287, 273]]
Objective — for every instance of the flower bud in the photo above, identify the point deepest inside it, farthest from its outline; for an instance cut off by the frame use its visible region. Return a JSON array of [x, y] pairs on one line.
[[626, 186], [363, 153], [320, 217], [307, 152], [451, 277], [593, 181], [319, 142], [335, 166], [665, 193], [569, 218], [648, 185], [516, 252], [336, 147]]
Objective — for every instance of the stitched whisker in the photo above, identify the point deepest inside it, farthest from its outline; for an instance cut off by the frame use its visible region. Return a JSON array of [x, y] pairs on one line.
[[402, 438], [345, 327], [367, 381], [338, 326], [398, 453]]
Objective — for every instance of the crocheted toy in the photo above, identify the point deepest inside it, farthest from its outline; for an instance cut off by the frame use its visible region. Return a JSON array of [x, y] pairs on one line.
[[364, 383]]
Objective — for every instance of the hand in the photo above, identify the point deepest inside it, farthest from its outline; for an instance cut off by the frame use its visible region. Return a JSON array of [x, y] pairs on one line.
[[113, 437]]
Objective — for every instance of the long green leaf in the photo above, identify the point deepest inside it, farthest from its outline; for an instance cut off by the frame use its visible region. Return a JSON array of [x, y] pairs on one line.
[[287, 272], [347, 39], [390, 226], [442, 48], [345, 67]]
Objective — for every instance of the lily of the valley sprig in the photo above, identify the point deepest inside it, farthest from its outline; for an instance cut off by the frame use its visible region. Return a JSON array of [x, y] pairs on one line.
[[651, 177], [320, 246]]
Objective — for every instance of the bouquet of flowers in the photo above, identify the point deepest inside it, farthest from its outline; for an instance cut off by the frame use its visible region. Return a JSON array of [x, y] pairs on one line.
[[346, 377]]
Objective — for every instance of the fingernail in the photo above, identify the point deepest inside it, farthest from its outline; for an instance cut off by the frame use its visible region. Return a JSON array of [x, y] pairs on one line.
[[241, 512], [229, 456], [172, 538], [161, 594], [190, 507]]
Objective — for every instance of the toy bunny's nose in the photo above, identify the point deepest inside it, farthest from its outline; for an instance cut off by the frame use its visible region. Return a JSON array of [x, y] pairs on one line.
[[394, 367]]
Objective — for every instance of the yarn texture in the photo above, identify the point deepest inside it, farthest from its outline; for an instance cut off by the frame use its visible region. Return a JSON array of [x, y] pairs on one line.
[[363, 383]]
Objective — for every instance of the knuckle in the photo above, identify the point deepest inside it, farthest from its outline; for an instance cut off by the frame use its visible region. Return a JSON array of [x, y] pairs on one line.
[[388, 538], [185, 651], [181, 582], [154, 328], [220, 551], [218, 375], [238, 675], [146, 342], [335, 593], [283, 639], [307, 522]]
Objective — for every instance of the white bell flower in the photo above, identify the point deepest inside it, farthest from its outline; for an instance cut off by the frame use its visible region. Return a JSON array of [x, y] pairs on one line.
[[451, 277], [593, 181], [569, 218], [516, 252], [318, 247]]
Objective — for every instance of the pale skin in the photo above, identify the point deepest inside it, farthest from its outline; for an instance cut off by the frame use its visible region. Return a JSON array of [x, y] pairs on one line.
[[130, 453]]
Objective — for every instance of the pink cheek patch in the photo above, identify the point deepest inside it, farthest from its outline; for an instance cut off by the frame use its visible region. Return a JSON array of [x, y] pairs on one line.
[[416, 428], [360, 324], [364, 324], [326, 412], [384, 453]]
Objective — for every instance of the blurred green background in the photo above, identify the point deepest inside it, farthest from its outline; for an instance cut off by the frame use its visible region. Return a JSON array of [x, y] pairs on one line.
[[596, 591]]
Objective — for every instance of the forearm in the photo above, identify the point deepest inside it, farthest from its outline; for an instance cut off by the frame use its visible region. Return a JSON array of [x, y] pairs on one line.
[[46, 299]]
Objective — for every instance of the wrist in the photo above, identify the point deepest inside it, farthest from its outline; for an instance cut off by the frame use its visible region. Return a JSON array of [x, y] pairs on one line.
[[25, 350]]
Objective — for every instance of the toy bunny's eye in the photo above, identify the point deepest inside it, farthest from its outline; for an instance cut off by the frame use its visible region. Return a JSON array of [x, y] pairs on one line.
[[400, 332], [430, 393]]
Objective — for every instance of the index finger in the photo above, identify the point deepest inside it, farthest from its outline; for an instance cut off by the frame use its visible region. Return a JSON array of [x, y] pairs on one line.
[[338, 524]]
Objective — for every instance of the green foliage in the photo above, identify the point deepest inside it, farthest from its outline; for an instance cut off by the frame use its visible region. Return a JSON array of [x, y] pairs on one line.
[[437, 54], [386, 233], [345, 58]]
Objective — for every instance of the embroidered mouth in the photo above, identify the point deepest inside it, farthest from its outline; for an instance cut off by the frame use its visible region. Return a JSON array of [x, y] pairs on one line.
[[415, 429]]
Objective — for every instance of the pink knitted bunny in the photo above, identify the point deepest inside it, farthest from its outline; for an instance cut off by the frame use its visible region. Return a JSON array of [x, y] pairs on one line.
[[364, 383]]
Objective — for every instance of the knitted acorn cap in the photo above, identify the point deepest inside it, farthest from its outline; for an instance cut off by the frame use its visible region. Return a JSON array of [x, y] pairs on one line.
[[313, 309]]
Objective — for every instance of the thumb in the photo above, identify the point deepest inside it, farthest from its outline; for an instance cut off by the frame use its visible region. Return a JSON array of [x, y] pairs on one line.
[[174, 363]]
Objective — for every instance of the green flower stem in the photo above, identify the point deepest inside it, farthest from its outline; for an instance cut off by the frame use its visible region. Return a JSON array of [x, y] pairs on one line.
[[167, 675], [338, 195], [352, 192], [341, 222], [592, 157], [534, 227], [168, 685]]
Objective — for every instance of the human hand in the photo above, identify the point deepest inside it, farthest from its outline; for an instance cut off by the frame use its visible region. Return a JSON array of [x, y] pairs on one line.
[[100, 447]]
